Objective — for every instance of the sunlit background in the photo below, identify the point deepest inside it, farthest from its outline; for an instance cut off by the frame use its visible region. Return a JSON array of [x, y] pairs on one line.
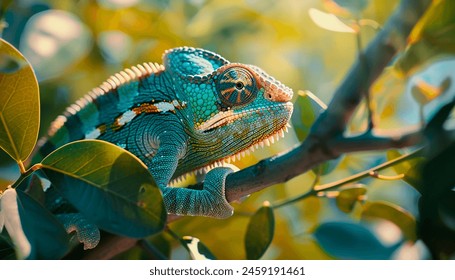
[[75, 45]]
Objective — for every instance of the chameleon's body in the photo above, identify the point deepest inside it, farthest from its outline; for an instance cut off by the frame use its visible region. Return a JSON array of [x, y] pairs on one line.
[[192, 113]]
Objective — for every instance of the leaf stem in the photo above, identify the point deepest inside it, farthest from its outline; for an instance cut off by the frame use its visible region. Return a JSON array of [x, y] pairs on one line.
[[25, 173], [21, 166], [375, 174], [367, 173]]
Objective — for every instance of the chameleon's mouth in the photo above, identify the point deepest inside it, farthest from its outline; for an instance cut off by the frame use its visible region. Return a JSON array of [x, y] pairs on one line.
[[220, 119], [225, 118]]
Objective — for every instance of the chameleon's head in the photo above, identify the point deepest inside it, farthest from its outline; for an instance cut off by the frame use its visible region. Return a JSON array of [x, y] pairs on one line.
[[236, 106]]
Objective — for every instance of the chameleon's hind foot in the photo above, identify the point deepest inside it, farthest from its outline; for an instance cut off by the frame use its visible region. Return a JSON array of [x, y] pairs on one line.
[[86, 232]]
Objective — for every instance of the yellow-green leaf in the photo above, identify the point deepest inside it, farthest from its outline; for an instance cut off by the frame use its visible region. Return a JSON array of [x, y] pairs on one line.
[[307, 108], [19, 106], [347, 198], [393, 213], [259, 233], [432, 36], [410, 169], [109, 186]]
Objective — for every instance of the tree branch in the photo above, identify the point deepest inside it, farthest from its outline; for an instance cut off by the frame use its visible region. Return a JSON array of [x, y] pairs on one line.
[[325, 141]]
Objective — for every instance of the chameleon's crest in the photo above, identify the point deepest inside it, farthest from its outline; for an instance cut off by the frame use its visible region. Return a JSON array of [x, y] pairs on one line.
[[191, 63], [129, 74]]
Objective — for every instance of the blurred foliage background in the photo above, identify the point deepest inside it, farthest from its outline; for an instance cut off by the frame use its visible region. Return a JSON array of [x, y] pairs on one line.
[[75, 45]]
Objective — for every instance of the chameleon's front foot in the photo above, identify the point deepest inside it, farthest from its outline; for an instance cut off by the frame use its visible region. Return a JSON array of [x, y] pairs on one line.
[[209, 202], [215, 186]]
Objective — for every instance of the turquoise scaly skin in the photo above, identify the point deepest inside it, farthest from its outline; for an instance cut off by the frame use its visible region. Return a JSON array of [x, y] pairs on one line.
[[194, 113]]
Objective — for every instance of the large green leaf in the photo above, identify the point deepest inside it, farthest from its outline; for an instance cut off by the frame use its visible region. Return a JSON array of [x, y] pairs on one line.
[[351, 241], [393, 213], [259, 233], [47, 237], [19, 106], [109, 185]]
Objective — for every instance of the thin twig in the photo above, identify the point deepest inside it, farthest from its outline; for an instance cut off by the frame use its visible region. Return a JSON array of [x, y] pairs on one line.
[[354, 178]]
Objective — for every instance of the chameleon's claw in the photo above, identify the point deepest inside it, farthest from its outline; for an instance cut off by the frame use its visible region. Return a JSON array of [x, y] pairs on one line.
[[86, 232]]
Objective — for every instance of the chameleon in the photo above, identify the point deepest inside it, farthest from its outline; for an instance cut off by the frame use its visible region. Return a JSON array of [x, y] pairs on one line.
[[195, 113]]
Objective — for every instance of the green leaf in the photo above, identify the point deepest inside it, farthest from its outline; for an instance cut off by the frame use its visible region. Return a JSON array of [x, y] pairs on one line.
[[259, 233], [19, 107], [47, 236], [108, 185], [307, 109], [432, 36], [393, 213], [347, 198], [196, 248], [410, 168], [351, 241], [35, 189]]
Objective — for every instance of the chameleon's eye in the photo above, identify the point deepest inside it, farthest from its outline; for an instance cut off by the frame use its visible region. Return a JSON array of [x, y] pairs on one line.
[[236, 86]]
